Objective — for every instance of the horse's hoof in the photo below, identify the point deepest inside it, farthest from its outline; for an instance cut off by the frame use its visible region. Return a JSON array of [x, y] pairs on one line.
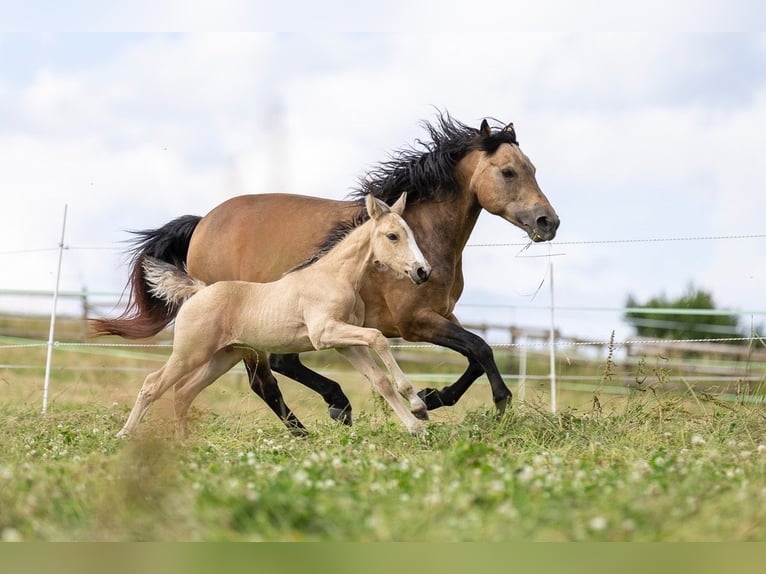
[[341, 415], [299, 432], [501, 405], [431, 398]]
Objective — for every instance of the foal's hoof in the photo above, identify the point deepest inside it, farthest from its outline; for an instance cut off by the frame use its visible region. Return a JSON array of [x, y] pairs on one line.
[[421, 414], [341, 415], [431, 398]]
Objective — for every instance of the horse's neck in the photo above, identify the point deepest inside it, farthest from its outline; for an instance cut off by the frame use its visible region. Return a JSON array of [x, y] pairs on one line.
[[448, 223], [349, 261]]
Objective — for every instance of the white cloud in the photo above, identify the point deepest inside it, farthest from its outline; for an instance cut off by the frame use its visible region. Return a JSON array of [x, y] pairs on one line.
[[631, 136]]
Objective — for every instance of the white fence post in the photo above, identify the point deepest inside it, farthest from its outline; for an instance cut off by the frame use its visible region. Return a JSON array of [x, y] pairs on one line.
[[552, 341], [522, 370], [53, 319]]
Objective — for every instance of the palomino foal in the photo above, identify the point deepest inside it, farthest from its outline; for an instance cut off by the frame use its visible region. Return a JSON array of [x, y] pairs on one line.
[[314, 306]]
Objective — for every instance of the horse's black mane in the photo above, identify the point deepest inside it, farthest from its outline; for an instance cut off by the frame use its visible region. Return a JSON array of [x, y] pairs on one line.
[[426, 170]]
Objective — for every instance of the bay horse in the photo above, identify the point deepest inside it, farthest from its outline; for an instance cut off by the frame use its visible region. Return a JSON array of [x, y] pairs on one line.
[[449, 180], [316, 305]]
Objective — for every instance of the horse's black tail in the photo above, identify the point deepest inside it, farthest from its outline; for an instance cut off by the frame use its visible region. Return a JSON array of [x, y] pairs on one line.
[[146, 315]]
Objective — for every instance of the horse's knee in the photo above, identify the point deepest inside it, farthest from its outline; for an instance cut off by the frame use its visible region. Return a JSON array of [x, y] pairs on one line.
[[482, 352]]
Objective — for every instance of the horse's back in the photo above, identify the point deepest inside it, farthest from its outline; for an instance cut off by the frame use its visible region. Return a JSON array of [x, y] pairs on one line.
[[259, 237]]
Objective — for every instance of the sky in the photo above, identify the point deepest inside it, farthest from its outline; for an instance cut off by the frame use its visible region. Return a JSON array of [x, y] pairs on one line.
[[635, 136]]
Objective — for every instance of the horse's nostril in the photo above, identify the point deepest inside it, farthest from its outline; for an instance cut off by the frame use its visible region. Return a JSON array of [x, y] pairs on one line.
[[545, 223], [423, 273]]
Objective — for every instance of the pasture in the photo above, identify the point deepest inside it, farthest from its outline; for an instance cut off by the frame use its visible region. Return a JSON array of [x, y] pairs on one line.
[[646, 466]]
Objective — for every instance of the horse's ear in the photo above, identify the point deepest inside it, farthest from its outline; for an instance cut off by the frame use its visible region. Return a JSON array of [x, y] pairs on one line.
[[510, 129], [398, 207], [485, 130], [375, 207]]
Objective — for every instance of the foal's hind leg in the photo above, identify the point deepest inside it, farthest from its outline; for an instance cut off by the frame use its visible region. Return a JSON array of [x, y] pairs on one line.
[[187, 389], [153, 388], [264, 384]]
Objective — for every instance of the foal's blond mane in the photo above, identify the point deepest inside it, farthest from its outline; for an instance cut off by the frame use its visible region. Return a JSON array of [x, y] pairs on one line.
[[336, 235]]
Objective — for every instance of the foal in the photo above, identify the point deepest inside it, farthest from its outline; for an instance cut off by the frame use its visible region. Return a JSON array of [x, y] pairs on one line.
[[314, 306]]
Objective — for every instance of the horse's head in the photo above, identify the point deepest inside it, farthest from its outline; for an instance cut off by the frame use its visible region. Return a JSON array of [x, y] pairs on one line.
[[505, 185], [393, 244]]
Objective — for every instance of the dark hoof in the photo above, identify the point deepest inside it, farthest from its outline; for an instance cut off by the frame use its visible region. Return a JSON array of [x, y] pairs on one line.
[[420, 414], [431, 398], [341, 415], [295, 427], [502, 404]]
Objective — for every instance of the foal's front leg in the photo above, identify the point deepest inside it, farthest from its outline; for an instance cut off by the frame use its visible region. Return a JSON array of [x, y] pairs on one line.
[[360, 358], [341, 335], [403, 384]]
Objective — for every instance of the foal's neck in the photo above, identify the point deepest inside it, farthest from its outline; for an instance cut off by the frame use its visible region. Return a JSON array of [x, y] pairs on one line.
[[351, 259]]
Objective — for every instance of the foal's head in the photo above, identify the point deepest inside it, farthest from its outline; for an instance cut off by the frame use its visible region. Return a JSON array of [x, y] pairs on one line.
[[393, 244]]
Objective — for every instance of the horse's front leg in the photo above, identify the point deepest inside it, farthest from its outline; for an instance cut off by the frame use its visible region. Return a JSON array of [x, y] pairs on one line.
[[434, 328]]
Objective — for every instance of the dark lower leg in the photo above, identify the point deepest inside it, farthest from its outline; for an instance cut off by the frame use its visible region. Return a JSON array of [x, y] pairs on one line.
[[480, 360], [263, 384], [337, 401]]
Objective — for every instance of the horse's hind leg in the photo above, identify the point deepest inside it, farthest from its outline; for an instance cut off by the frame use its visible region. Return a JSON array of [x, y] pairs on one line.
[[338, 403], [264, 384]]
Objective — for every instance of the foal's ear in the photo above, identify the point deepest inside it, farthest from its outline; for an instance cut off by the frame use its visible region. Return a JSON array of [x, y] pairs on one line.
[[398, 207], [485, 130], [375, 207]]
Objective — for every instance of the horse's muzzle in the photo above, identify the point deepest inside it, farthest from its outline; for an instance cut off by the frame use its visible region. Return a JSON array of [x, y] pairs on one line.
[[544, 227]]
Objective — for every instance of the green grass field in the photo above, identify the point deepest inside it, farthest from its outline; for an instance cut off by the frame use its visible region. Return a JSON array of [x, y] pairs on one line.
[[646, 466]]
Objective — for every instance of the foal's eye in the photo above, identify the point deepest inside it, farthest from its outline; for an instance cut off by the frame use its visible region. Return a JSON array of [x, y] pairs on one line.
[[392, 236], [508, 173]]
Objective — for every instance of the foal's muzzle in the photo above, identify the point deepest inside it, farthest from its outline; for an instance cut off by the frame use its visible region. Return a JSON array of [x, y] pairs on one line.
[[420, 273]]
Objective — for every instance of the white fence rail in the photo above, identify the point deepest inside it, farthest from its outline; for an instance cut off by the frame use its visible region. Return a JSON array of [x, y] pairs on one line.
[[737, 358]]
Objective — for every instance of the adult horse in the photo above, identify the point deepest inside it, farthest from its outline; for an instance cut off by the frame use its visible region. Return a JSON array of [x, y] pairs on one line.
[[449, 180]]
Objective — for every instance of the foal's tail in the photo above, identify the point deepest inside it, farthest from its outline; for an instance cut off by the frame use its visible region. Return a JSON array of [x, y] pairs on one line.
[[146, 314], [169, 283]]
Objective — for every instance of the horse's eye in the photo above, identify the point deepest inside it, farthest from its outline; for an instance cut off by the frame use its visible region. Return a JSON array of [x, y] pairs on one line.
[[508, 173], [392, 236]]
